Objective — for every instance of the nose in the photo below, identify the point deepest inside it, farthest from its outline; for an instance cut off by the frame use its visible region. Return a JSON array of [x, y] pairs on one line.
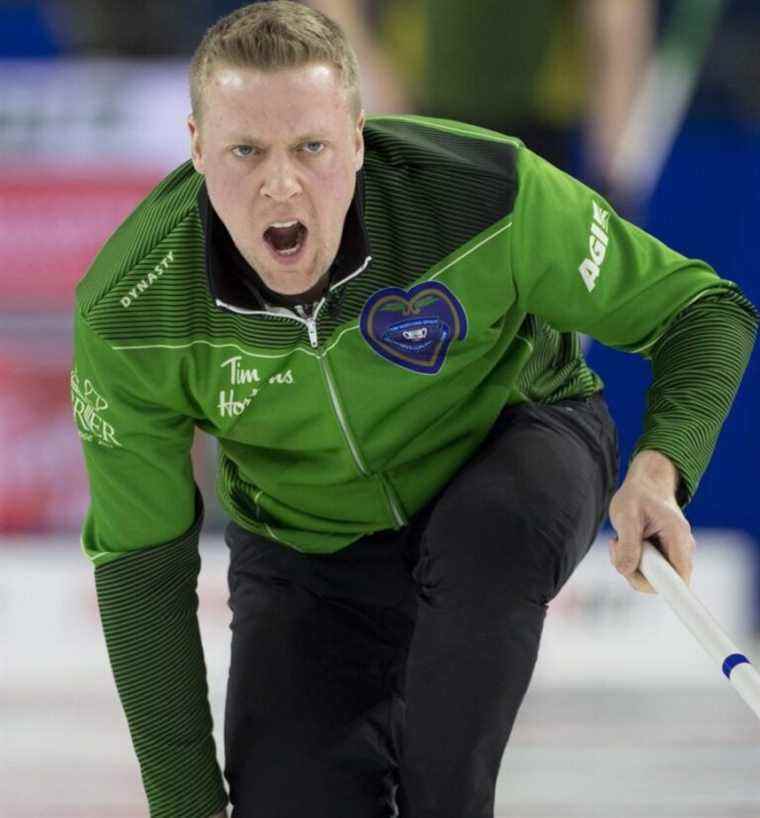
[[280, 181]]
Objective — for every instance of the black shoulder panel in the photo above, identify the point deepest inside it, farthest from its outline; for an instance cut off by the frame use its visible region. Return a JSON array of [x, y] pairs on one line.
[[431, 187]]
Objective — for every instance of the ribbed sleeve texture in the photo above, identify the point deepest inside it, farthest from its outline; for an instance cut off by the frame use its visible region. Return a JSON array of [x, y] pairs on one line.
[[697, 366], [148, 607]]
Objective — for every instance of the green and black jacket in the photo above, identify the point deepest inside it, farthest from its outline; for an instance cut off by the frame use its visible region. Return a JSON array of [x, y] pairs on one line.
[[468, 267]]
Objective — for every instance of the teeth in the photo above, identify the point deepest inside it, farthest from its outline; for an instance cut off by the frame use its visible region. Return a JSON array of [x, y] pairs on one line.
[[289, 251], [284, 224]]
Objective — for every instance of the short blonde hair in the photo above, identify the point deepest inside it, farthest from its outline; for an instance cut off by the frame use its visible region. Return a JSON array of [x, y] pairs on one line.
[[270, 36]]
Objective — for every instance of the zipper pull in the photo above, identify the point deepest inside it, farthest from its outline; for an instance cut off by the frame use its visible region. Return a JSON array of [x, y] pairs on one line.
[[311, 327], [309, 313]]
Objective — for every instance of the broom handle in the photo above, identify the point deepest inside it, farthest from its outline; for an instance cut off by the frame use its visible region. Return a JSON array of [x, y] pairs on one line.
[[736, 666]]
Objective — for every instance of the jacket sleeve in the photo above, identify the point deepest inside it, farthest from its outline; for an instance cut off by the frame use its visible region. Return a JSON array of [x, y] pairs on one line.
[[583, 268], [141, 534]]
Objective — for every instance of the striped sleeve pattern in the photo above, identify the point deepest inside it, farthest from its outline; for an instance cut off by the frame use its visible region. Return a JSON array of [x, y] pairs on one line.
[[148, 607], [697, 366]]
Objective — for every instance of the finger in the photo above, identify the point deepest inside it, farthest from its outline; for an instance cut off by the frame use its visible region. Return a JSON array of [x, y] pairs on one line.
[[623, 559], [625, 550]]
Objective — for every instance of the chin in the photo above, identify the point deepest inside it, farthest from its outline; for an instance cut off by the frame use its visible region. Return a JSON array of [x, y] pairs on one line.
[[289, 282]]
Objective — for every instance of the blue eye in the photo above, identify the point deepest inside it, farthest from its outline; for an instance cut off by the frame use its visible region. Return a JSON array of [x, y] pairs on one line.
[[242, 151], [313, 147]]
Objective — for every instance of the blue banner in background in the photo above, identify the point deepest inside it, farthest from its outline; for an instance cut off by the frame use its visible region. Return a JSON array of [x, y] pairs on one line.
[[707, 205]]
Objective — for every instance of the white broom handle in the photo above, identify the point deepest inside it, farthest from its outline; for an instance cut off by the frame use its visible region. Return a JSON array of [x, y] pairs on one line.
[[735, 665]]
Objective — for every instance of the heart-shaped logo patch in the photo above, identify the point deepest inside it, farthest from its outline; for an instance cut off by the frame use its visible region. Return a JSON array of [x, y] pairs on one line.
[[414, 328]]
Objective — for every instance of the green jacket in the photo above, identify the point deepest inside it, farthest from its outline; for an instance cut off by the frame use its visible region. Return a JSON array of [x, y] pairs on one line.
[[467, 268]]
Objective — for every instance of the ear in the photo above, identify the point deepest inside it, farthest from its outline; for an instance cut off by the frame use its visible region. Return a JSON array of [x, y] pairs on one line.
[[195, 144], [359, 141]]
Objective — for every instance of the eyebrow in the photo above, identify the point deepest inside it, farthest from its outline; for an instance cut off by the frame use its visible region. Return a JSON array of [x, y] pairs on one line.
[[240, 138]]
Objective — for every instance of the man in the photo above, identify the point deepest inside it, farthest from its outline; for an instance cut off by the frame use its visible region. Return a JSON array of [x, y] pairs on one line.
[[376, 319]]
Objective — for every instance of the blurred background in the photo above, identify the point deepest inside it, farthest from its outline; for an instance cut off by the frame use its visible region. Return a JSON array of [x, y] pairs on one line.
[[652, 102]]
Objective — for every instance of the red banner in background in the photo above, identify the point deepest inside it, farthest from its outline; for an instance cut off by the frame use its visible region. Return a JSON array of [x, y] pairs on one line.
[[53, 221]]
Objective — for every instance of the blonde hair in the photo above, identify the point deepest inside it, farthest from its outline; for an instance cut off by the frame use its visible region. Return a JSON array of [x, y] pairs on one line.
[[270, 36]]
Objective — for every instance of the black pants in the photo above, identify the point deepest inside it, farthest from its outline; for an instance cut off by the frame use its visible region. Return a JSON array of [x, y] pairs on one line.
[[390, 673]]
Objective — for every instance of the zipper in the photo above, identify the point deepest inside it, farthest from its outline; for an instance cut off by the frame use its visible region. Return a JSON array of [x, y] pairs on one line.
[[338, 409], [311, 326]]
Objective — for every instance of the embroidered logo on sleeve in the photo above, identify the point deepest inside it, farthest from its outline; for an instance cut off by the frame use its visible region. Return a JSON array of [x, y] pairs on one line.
[[597, 243], [414, 328], [89, 405]]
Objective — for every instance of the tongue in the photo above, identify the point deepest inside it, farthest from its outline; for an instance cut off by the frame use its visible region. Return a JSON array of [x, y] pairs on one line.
[[283, 238]]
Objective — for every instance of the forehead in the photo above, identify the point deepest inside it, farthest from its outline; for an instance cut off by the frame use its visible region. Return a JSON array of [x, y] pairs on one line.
[[306, 97]]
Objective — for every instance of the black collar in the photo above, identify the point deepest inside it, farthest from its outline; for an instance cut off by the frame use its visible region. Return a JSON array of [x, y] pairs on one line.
[[235, 284]]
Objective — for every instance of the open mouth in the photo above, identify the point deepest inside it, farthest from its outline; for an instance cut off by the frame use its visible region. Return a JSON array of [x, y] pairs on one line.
[[286, 238]]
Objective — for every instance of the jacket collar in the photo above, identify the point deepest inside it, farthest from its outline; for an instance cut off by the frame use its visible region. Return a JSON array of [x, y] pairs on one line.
[[235, 285]]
